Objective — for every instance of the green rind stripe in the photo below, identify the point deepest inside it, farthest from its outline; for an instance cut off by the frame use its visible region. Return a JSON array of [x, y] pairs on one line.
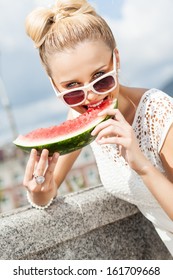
[[66, 146]]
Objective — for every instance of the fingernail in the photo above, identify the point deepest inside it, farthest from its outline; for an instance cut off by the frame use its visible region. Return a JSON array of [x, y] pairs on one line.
[[45, 151], [33, 152]]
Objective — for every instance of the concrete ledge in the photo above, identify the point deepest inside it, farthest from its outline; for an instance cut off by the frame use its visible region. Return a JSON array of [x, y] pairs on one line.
[[89, 224]]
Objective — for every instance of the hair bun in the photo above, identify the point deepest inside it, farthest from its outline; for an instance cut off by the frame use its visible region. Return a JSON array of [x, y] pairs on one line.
[[67, 8], [38, 23]]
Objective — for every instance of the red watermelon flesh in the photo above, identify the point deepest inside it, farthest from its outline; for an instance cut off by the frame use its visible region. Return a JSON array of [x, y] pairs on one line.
[[68, 136]]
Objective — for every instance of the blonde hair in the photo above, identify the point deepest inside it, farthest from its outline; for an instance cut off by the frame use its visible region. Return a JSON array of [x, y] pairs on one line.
[[64, 25]]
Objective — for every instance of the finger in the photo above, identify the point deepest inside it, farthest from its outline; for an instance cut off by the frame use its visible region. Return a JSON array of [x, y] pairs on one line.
[[101, 126], [113, 112], [42, 163], [110, 131], [112, 123], [50, 171], [106, 132], [30, 167], [120, 141]]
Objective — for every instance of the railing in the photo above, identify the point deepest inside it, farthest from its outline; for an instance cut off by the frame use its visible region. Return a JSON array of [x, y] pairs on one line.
[[89, 224]]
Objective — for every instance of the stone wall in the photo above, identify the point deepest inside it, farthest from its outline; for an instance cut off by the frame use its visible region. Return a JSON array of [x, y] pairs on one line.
[[89, 224]]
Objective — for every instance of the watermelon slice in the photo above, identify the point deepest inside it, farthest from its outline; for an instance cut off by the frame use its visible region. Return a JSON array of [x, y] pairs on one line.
[[67, 137]]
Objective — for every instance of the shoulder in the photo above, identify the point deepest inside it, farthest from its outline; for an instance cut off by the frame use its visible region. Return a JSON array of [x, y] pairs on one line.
[[151, 98], [136, 95], [157, 102], [157, 107], [156, 95]]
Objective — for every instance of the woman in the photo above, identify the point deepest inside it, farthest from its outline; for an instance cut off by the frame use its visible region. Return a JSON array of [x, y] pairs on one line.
[[133, 150]]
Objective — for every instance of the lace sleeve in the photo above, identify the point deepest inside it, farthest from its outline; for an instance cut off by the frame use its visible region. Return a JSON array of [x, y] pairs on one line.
[[153, 119], [162, 117]]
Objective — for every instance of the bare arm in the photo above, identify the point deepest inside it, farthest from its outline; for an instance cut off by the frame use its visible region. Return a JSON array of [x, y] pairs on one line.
[[161, 186], [63, 166]]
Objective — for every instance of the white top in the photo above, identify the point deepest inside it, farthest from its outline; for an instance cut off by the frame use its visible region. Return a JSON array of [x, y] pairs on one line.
[[152, 121]]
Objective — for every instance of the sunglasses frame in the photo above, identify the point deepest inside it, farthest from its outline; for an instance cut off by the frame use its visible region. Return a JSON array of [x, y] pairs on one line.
[[89, 86]]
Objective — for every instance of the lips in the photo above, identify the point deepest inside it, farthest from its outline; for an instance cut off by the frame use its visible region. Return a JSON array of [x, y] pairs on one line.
[[96, 104]]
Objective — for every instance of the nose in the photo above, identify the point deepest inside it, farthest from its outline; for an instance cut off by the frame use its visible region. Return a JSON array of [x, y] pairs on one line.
[[90, 95]]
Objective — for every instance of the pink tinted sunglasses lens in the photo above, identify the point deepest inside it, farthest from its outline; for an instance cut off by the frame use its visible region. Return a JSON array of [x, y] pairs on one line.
[[104, 84], [74, 97]]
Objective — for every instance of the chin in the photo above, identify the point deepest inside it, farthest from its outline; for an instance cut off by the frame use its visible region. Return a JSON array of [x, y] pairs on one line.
[[80, 109]]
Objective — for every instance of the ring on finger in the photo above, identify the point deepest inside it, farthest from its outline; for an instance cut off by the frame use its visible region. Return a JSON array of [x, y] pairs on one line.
[[39, 179]]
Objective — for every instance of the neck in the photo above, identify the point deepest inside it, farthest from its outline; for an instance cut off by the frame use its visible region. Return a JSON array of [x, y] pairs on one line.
[[126, 105]]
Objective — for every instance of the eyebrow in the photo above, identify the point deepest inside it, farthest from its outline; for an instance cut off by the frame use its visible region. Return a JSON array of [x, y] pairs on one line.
[[95, 71]]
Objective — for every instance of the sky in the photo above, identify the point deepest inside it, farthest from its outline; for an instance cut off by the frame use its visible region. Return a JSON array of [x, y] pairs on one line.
[[142, 29]]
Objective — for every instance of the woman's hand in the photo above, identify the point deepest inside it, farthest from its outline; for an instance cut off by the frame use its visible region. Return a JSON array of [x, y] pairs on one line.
[[41, 166], [118, 131]]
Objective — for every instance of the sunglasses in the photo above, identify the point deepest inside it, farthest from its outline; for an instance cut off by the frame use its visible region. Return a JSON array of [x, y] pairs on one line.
[[102, 85]]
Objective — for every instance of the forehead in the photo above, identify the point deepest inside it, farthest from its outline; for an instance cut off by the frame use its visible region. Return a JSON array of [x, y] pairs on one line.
[[84, 59]]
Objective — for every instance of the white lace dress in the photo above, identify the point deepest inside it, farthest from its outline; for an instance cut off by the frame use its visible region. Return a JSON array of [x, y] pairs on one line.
[[152, 121]]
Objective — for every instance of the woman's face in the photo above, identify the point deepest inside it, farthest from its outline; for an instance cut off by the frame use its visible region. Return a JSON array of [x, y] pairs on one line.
[[80, 66]]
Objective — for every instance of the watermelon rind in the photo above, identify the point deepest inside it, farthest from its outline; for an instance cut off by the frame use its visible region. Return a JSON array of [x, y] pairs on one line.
[[70, 143]]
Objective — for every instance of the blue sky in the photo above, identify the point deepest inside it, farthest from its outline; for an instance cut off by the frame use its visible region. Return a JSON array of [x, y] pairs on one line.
[[142, 28]]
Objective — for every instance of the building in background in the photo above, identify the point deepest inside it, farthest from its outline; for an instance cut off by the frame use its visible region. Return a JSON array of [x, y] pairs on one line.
[[12, 167]]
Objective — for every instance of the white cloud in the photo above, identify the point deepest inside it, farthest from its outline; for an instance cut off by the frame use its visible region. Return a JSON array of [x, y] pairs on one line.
[[144, 35]]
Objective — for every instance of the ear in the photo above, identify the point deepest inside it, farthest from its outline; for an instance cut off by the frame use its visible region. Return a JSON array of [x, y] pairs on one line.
[[117, 58]]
